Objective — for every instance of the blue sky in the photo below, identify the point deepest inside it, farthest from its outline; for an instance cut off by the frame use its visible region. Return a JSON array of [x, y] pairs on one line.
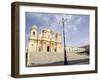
[[76, 26]]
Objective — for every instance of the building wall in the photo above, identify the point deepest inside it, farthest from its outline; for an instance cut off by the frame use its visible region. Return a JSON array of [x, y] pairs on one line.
[[75, 49]]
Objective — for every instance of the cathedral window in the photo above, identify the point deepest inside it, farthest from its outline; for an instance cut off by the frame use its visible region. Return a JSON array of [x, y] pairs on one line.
[[39, 49], [33, 33], [32, 44], [55, 50]]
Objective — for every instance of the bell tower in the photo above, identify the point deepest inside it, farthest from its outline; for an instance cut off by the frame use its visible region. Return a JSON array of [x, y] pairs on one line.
[[33, 32], [33, 39]]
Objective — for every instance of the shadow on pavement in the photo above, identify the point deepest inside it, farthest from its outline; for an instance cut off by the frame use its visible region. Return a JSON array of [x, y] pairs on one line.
[[72, 62]]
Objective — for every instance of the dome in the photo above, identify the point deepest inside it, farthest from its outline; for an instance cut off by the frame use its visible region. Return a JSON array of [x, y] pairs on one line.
[[34, 27], [47, 29]]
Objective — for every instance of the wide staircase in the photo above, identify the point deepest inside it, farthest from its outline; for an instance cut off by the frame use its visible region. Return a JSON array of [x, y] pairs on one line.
[[49, 58]]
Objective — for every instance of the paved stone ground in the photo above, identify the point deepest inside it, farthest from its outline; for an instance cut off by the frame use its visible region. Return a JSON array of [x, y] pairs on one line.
[[57, 60]]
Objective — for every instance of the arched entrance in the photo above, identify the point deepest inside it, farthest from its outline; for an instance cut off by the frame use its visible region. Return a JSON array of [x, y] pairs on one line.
[[39, 49], [48, 48]]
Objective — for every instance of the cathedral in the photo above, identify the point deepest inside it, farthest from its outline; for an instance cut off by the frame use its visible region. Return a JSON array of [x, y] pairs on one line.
[[45, 40]]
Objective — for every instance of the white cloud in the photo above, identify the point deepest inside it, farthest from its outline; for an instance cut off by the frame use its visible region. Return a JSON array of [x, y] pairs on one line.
[[58, 18], [71, 22], [74, 28], [68, 18], [45, 19], [78, 21], [40, 16]]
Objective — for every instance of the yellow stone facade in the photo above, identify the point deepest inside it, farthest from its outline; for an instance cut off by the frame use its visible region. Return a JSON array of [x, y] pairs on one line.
[[44, 41]]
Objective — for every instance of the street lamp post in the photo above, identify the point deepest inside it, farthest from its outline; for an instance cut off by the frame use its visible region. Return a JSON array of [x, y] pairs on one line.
[[65, 56]]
